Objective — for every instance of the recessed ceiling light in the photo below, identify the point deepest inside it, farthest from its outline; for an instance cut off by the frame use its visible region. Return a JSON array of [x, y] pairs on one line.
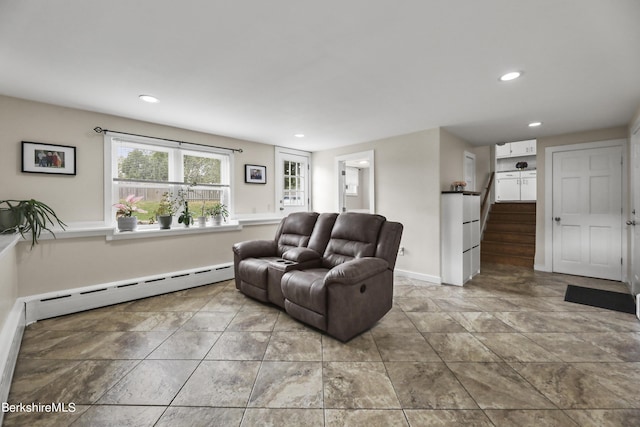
[[149, 98], [510, 76], [535, 124], [299, 135]]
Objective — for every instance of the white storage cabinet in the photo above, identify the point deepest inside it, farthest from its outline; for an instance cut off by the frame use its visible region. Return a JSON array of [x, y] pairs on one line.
[[518, 186], [460, 228]]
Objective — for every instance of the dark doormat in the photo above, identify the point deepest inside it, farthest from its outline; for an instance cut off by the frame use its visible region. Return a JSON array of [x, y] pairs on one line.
[[598, 298]]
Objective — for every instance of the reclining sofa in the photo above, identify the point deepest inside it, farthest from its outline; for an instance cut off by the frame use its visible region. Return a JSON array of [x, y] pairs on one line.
[[331, 271]]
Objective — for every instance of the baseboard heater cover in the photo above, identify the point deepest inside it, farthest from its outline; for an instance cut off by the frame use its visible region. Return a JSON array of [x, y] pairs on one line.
[[54, 304]]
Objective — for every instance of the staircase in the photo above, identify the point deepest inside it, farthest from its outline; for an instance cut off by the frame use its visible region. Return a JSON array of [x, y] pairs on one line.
[[510, 234]]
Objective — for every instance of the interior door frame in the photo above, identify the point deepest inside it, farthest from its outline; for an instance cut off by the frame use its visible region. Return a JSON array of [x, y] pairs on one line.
[[279, 153], [548, 197], [370, 157], [470, 155], [634, 178]]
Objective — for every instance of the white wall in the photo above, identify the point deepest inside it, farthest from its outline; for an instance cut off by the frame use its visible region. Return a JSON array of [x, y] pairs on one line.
[[407, 190], [68, 263]]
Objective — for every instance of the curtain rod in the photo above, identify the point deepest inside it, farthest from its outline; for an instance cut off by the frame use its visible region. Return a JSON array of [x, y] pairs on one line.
[[98, 129]]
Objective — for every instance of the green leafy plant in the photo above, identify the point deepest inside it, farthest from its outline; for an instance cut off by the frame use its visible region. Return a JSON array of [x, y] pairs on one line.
[[219, 209], [29, 216], [186, 217], [166, 206]]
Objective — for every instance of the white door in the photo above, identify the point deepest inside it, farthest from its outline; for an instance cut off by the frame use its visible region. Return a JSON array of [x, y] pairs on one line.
[[634, 220], [587, 212], [470, 171], [292, 181]]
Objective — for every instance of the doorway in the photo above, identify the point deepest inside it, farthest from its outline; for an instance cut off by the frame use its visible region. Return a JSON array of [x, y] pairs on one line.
[[587, 211], [356, 188]]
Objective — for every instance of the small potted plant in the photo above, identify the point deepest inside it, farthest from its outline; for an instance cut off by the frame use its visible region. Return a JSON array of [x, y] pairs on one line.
[[126, 220], [219, 213], [166, 210], [458, 185], [186, 216], [202, 219], [27, 216]]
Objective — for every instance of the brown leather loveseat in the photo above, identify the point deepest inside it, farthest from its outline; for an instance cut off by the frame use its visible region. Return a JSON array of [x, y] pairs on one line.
[[333, 272]]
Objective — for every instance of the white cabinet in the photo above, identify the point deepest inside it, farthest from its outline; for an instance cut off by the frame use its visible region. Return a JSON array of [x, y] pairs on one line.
[[503, 150], [516, 186], [528, 185], [507, 186], [460, 240], [516, 149]]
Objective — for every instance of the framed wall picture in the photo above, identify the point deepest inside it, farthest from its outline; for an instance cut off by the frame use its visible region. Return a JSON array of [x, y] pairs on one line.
[[48, 158], [254, 174]]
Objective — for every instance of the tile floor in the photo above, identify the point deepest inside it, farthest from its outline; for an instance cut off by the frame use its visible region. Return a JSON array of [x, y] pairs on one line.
[[504, 350]]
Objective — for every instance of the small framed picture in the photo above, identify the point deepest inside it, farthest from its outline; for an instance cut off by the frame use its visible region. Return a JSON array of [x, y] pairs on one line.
[[254, 174], [48, 158]]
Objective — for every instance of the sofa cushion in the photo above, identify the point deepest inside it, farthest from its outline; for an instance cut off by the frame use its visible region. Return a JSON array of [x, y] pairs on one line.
[[306, 288], [354, 235], [254, 270], [295, 230]]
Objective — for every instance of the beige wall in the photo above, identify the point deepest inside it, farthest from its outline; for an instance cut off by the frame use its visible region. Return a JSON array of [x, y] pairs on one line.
[[67, 263], [407, 181], [484, 165], [452, 151], [553, 141]]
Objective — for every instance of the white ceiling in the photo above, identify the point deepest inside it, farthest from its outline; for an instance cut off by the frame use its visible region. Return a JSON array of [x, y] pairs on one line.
[[339, 71]]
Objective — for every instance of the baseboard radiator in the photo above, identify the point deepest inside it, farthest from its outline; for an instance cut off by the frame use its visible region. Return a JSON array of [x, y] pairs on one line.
[[54, 304]]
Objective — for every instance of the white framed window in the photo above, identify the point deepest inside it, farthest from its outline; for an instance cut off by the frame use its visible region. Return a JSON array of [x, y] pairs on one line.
[[150, 167], [293, 173]]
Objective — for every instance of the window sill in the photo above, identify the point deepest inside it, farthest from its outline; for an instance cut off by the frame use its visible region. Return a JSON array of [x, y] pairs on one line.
[[175, 230], [96, 229]]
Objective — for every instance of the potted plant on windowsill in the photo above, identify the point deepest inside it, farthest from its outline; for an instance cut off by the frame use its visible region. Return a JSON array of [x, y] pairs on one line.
[[165, 211], [202, 219], [126, 220], [219, 213], [186, 217], [27, 216]]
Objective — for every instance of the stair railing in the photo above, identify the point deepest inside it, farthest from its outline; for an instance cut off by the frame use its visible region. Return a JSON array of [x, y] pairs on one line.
[[484, 206]]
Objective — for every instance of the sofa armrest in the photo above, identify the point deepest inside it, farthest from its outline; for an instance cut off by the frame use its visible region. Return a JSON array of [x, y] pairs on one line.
[[301, 255], [356, 270], [255, 249]]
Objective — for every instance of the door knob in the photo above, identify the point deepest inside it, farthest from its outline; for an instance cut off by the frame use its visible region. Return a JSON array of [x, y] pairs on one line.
[[556, 219], [631, 223]]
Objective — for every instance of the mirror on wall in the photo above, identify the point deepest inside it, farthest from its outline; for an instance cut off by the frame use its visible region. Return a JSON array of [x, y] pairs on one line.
[[356, 189]]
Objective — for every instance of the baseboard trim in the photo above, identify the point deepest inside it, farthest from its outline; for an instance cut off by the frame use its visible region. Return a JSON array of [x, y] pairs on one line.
[[418, 276], [10, 339], [59, 303]]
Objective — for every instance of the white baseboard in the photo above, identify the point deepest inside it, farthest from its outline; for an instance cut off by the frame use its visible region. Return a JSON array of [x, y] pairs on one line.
[[10, 339], [542, 267], [59, 303], [638, 306], [418, 276]]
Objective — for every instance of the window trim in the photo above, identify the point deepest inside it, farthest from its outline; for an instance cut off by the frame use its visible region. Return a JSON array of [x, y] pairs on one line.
[[108, 146]]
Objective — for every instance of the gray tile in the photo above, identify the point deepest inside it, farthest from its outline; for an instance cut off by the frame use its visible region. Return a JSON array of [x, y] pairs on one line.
[[364, 417], [358, 385], [404, 347], [460, 347], [497, 386], [186, 345], [605, 417], [260, 417], [428, 386], [435, 322], [294, 346], [200, 417], [360, 349], [240, 346], [110, 415], [152, 382], [233, 383], [447, 418], [288, 385], [530, 417]]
